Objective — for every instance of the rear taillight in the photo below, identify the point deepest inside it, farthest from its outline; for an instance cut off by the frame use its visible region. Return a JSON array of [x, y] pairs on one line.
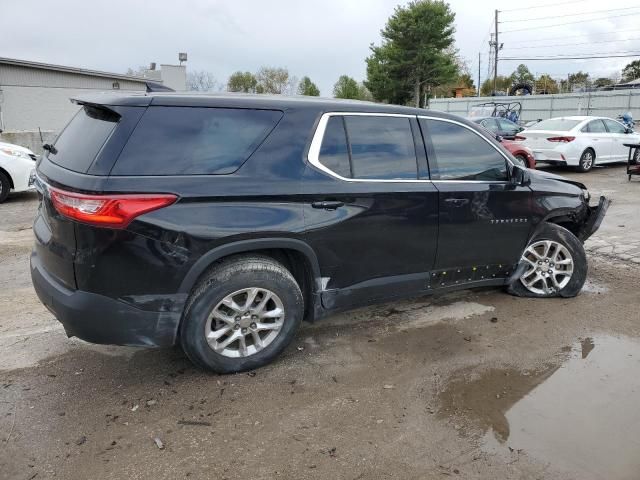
[[113, 211], [561, 139], [519, 138]]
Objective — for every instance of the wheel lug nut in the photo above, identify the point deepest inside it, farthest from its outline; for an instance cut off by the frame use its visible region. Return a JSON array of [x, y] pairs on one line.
[[236, 327], [237, 318], [254, 317], [253, 325], [244, 330]]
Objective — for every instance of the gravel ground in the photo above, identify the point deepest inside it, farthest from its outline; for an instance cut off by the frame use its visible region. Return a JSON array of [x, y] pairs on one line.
[[475, 384]]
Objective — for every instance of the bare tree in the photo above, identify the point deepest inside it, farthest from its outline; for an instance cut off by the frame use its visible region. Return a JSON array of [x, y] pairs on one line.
[[275, 80], [202, 81]]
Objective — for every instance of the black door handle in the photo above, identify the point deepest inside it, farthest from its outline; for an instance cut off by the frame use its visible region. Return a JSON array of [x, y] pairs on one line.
[[328, 204], [457, 202]]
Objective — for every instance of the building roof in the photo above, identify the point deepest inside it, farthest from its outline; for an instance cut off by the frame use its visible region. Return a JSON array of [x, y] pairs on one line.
[[78, 71]]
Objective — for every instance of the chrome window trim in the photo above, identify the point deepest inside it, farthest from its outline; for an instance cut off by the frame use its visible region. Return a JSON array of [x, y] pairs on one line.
[[316, 143]]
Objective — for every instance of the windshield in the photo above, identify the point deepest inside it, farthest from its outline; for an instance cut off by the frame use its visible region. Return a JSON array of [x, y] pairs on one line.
[[561, 124]]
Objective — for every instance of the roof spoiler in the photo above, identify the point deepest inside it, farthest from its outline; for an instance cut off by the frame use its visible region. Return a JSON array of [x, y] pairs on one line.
[[104, 109], [158, 87]]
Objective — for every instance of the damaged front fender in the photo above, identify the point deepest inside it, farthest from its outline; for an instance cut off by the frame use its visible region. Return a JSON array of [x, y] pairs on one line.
[[594, 219]]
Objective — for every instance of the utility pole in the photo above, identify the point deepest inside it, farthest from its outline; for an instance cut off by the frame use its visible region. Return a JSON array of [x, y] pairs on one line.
[[497, 48], [478, 74]]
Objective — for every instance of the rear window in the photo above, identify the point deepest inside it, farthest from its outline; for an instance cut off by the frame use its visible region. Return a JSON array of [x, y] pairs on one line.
[[79, 143], [194, 140], [561, 124]]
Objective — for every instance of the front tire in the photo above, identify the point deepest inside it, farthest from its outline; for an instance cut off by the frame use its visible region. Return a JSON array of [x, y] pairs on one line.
[[242, 315], [5, 187], [587, 160], [556, 265]]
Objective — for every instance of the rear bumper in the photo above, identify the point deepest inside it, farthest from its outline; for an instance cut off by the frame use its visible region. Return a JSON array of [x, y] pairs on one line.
[[595, 218], [99, 319]]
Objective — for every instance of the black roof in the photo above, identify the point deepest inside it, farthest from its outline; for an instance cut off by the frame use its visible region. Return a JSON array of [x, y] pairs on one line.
[[238, 100]]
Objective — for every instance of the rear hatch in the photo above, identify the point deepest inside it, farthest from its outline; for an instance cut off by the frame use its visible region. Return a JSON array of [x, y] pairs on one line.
[[79, 160]]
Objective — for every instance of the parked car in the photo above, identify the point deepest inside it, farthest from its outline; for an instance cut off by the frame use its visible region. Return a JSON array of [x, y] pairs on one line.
[[221, 222], [17, 169], [524, 155], [579, 141], [499, 126]]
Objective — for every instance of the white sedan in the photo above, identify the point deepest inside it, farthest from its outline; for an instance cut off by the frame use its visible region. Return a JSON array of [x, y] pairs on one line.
[[578, 141], [17, 169]]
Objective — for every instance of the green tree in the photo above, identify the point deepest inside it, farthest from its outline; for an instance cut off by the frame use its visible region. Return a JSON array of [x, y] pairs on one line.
[[522, 74], [416, 52], [346, 87], [242, 82], [503, 84], [546, 85], [275, 80], [631, 71], [602, 82], [575, 81], [307, 87]]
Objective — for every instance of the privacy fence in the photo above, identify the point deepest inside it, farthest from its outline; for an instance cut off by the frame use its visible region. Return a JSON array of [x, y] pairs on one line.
[[606, 104]]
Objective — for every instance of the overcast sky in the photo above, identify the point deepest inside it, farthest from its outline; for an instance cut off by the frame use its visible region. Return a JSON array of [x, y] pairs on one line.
[[322, 39]]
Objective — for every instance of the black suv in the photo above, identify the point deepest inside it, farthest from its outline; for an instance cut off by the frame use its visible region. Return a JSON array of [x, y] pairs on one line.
[[221, 222]]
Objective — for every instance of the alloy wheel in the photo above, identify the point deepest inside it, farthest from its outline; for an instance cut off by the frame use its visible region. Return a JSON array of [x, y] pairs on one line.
[[587, 160], [244, 322], [550, 267]]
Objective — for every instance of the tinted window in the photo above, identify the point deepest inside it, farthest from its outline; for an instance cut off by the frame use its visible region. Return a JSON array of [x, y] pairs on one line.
[[595, 126], [614, 127], [561, 124], [490, 124], [381, 147], [334, 153], [194, 141], [507, 126], [81, 140], [462, 154]]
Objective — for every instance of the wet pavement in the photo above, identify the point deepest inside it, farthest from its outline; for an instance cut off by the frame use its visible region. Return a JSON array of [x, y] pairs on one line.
[[580, 416], [474, 385]]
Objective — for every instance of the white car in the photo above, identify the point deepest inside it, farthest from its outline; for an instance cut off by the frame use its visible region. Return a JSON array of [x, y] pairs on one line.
[[578, 141], [17, 169]]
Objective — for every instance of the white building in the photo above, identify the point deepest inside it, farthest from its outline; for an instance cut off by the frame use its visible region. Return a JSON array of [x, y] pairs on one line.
[[35, 96]]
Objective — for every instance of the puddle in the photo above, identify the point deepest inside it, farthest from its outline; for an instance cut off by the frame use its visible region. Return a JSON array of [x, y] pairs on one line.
[[580, 417]]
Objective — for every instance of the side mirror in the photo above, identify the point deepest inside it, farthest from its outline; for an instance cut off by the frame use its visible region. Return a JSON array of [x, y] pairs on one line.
[[520, 176], [628, 130]]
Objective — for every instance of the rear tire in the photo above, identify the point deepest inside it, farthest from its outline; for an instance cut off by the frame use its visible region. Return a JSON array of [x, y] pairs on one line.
[[587, 160], [523, 160], [5, 187], [225, 306], [547, 271]]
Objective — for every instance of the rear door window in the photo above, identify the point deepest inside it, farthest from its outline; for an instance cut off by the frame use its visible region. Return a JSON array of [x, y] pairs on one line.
[[194, 140], [334, 153], [381, 147], [462, 154], [595, 126], [79, 143]]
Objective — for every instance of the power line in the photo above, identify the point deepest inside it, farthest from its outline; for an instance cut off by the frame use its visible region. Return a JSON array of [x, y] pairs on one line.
[[569, 15], [542, 6], [572, 44], [636, 54], [581, 35], [571, 23]]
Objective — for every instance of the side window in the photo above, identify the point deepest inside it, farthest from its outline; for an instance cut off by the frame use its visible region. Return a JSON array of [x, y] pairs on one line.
[[507, 126], [614, 127], [194, 140], [595, 126], [462, 154], [490, 124], [381, 147], [334, 152]]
